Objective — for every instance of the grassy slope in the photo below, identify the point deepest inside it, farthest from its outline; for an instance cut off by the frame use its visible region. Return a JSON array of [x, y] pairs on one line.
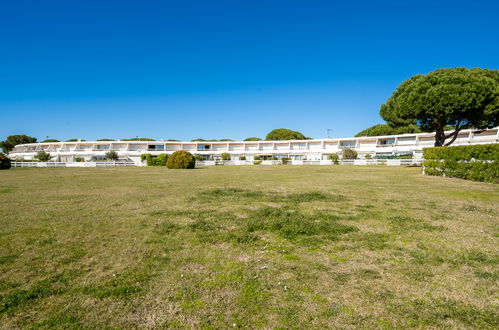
[[257, 246]]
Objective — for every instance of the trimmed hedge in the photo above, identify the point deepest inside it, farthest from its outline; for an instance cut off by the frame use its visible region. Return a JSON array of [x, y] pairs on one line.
[[159, 160], [181, 159], [4, 162], [477, 162]]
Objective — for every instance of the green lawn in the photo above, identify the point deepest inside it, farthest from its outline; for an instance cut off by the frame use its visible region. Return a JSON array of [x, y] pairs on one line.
[[255, 246]]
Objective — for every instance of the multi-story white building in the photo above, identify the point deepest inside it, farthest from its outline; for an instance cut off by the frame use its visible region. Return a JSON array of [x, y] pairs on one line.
[[320, 149]]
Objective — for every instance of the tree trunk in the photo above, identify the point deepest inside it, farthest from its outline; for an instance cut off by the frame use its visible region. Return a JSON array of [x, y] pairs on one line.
[[439, 136], [453, 135]]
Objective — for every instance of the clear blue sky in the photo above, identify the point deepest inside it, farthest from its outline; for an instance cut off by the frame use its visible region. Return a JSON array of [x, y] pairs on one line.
[[224, 69]]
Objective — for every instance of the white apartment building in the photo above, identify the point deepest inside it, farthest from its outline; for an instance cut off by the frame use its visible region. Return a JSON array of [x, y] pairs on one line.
[[317, 149]]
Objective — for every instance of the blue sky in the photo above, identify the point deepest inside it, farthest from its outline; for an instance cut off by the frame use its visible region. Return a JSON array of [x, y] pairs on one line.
[[224, 69]]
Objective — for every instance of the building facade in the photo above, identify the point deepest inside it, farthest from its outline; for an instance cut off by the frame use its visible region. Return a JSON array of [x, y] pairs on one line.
[[320, 149]]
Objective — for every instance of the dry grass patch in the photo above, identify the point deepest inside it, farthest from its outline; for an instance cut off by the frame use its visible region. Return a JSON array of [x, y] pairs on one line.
[[262, 246]]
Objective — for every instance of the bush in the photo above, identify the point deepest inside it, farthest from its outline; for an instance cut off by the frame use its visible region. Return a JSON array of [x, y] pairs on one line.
[[368, 156], [112, 155], [79, 159], [225, 156], [477, 162], [199, 158], [256, 158], [159, 160], [257, 162], [4, 162], [272, 158], [349, 153], [335, 158], [43, 156], [285, 160], [145, 156], [181, 159], [242, 157]]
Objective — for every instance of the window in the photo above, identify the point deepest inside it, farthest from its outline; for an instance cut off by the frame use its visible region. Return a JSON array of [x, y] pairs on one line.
[[348, 144], [156, 147], [203, 147], [103, 147], [387, 142]]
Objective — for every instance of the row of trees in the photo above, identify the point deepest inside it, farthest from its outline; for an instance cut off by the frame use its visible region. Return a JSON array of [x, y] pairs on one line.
[[276, 134], [385, 129]]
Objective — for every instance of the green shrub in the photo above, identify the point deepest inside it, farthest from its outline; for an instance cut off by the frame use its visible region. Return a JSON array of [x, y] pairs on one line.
[[272, 158], [477, 152], [181, 159], [256, 158], [145, 156], [477, 162], [242, 157], [199, 158], [285, 160], [335, 158], [79, 159], [4, 162], [368, 156], [257, 162], [349, 153], [159, 160], [112, 155], [225, 156], [43, 156]]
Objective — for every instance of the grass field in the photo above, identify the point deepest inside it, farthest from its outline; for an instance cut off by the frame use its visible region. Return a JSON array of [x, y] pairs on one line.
[[255, 246]]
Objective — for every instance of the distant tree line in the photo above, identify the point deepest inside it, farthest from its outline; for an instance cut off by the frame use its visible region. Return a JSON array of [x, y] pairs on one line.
[[385, 129], [276, 134]]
